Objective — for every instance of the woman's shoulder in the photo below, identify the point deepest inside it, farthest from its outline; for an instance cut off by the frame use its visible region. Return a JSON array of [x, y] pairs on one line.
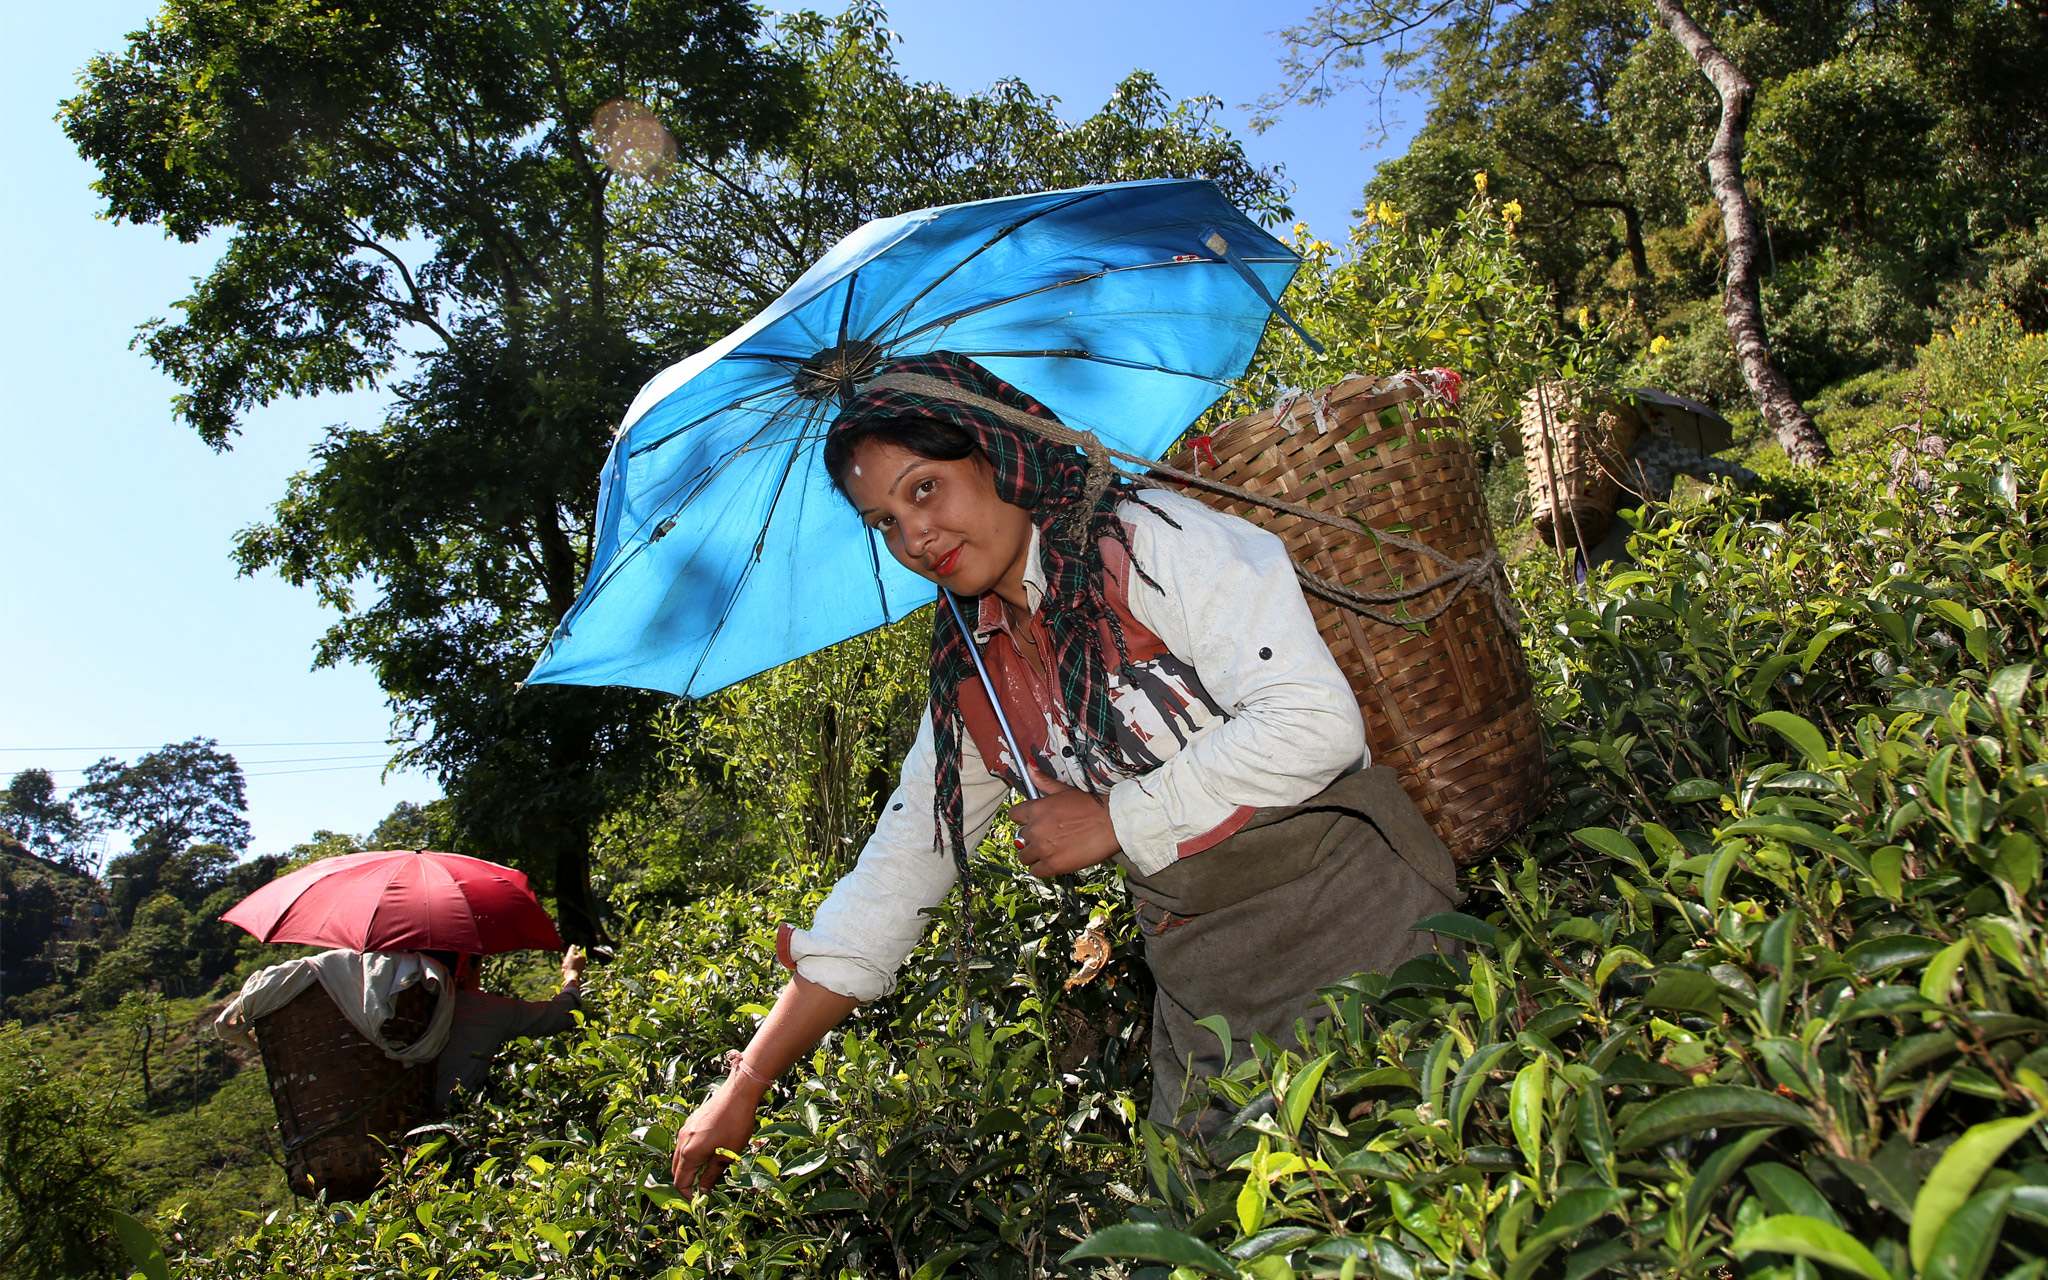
[[1172, 520]]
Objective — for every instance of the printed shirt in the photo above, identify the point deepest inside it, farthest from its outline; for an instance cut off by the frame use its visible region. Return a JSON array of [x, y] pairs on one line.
[[1233, 694]]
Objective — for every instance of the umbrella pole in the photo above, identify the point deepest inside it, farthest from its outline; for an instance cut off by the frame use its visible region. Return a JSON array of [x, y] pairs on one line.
[[995, 700]]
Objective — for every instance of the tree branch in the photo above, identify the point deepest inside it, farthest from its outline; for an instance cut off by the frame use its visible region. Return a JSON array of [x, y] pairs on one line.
[[1742, 303], [418, 312]]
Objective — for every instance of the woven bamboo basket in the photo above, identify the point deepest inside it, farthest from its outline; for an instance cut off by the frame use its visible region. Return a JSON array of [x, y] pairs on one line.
[[341, 1104], [1575, 453], [1447, 704]]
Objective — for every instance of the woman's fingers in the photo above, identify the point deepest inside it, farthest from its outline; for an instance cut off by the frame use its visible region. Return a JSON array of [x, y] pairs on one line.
[[1063, 832], [697, 1165], [723, 1124]]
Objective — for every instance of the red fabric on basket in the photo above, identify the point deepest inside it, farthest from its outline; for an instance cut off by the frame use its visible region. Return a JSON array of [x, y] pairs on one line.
[[400, 900]]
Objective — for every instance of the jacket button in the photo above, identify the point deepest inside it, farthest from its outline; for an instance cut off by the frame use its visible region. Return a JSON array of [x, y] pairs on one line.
[[1265, 653]]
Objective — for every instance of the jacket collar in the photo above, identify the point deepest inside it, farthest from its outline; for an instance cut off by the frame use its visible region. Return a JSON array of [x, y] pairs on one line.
[[991, 617]]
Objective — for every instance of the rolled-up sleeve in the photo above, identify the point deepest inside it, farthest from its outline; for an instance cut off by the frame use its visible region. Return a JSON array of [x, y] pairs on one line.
[[1230, 606], [874, 916]]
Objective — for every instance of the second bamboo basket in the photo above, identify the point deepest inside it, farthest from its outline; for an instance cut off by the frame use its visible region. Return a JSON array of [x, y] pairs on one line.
[[1447, 703], [342, 1104]]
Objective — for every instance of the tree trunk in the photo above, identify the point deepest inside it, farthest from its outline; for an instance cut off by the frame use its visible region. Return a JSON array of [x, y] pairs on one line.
[[1802, 440], [575, 900]]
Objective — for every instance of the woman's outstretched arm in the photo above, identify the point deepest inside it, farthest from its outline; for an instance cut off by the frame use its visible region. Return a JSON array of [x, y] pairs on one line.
[[802, 1015]]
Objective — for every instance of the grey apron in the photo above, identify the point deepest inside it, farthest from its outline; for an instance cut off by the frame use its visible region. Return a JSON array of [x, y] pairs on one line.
[[1301, 897]]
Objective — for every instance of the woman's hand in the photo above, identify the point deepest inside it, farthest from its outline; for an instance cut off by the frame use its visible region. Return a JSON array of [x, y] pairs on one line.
[[1063, 831], [803, 1013], [727, 1121], [573, 961]]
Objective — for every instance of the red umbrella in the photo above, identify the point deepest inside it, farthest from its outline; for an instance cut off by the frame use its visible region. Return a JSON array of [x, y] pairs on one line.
[[400, 900]]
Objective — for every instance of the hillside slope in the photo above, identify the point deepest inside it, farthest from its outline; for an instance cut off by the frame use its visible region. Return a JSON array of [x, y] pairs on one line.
[[1767, 988]]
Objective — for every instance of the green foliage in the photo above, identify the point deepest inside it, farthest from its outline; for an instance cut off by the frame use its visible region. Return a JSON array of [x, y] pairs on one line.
[[1895, 150], [417, 199], [802, 754], [1762, 992], [184, 793], [1401, 296], [51, 828], [727, 235], [153, 954], [1769, 981], [59, 1136], [48, 912], [982, 1126], [411, 826], [413, 197]]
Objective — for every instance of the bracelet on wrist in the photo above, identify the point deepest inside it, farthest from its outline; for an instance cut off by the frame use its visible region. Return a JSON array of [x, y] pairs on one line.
[[736, 1064]]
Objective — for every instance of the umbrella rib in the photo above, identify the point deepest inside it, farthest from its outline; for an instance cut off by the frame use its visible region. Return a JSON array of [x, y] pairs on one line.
[[725, 462], [942, 321], [1117, 361], [760, 542], [990, 243], [617, 567], [881, 588], [846, 308], [700, 420]]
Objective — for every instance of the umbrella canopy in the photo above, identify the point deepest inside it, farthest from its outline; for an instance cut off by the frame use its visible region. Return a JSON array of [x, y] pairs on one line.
[[400, 900], [1686, 421], [721, 549]]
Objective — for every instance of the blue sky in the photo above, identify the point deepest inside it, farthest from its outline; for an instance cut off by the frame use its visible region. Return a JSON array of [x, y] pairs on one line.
[[123, 624]]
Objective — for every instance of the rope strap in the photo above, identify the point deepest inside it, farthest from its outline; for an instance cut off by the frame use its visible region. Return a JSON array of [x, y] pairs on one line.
[[1484, 571]]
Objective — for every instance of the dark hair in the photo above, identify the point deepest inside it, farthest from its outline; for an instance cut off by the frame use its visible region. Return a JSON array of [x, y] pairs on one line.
[[925, 437]]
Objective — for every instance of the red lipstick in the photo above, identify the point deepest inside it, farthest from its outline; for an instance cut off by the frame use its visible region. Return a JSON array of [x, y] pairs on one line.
[[947, 563]]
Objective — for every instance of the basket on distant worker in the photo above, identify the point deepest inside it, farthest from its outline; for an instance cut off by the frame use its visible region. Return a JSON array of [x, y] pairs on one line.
[[341, 1103], [1576, 451], [1439, 675]]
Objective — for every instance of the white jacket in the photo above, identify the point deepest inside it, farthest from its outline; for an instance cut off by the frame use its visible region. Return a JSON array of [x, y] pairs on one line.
[[1231, 608]]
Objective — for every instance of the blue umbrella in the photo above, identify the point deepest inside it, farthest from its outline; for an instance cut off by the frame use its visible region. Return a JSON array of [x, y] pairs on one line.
[[721, 548]]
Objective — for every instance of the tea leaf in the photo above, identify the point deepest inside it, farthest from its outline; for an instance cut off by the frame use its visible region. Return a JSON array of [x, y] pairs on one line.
[[1808, 1238]]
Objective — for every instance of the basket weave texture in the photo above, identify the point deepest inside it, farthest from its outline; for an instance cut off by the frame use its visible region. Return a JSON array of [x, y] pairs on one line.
[[1447, 705], [1576, 455], [341, 1104]]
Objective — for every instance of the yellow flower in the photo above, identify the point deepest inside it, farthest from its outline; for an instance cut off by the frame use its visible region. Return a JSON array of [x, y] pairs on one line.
[[1512, 210], [1659, 345], [1479, 182], [1585, 317]]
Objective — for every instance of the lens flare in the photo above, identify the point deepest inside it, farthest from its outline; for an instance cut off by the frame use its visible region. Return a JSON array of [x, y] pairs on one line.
[[631, 139]]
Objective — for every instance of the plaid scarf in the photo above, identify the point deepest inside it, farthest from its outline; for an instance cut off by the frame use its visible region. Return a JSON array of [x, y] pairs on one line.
[[1046, 480]]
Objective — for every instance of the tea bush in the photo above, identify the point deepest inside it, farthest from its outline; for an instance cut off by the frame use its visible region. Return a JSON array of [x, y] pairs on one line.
[[1762, 992], [980, 1117], [1766, 986]]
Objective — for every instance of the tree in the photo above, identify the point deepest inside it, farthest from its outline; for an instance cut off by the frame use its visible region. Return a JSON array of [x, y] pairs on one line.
[[1884, 192], [1743, 305], [418, 199], [412, 826], [421, 186], [186, 793], [60, 1132], [732, 233], [153, 956], [51, 828]]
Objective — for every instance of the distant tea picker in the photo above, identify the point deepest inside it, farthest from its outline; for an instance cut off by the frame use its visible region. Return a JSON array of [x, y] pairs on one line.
[[940, 403], [376, 1036]]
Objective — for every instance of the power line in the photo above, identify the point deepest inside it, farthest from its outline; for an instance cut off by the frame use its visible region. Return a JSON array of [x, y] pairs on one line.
[[245, 746], [274, 773], [337, 768], [259, 764]]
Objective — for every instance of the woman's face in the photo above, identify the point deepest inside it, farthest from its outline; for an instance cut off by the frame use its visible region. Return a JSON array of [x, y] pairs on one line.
[[942, 520]]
